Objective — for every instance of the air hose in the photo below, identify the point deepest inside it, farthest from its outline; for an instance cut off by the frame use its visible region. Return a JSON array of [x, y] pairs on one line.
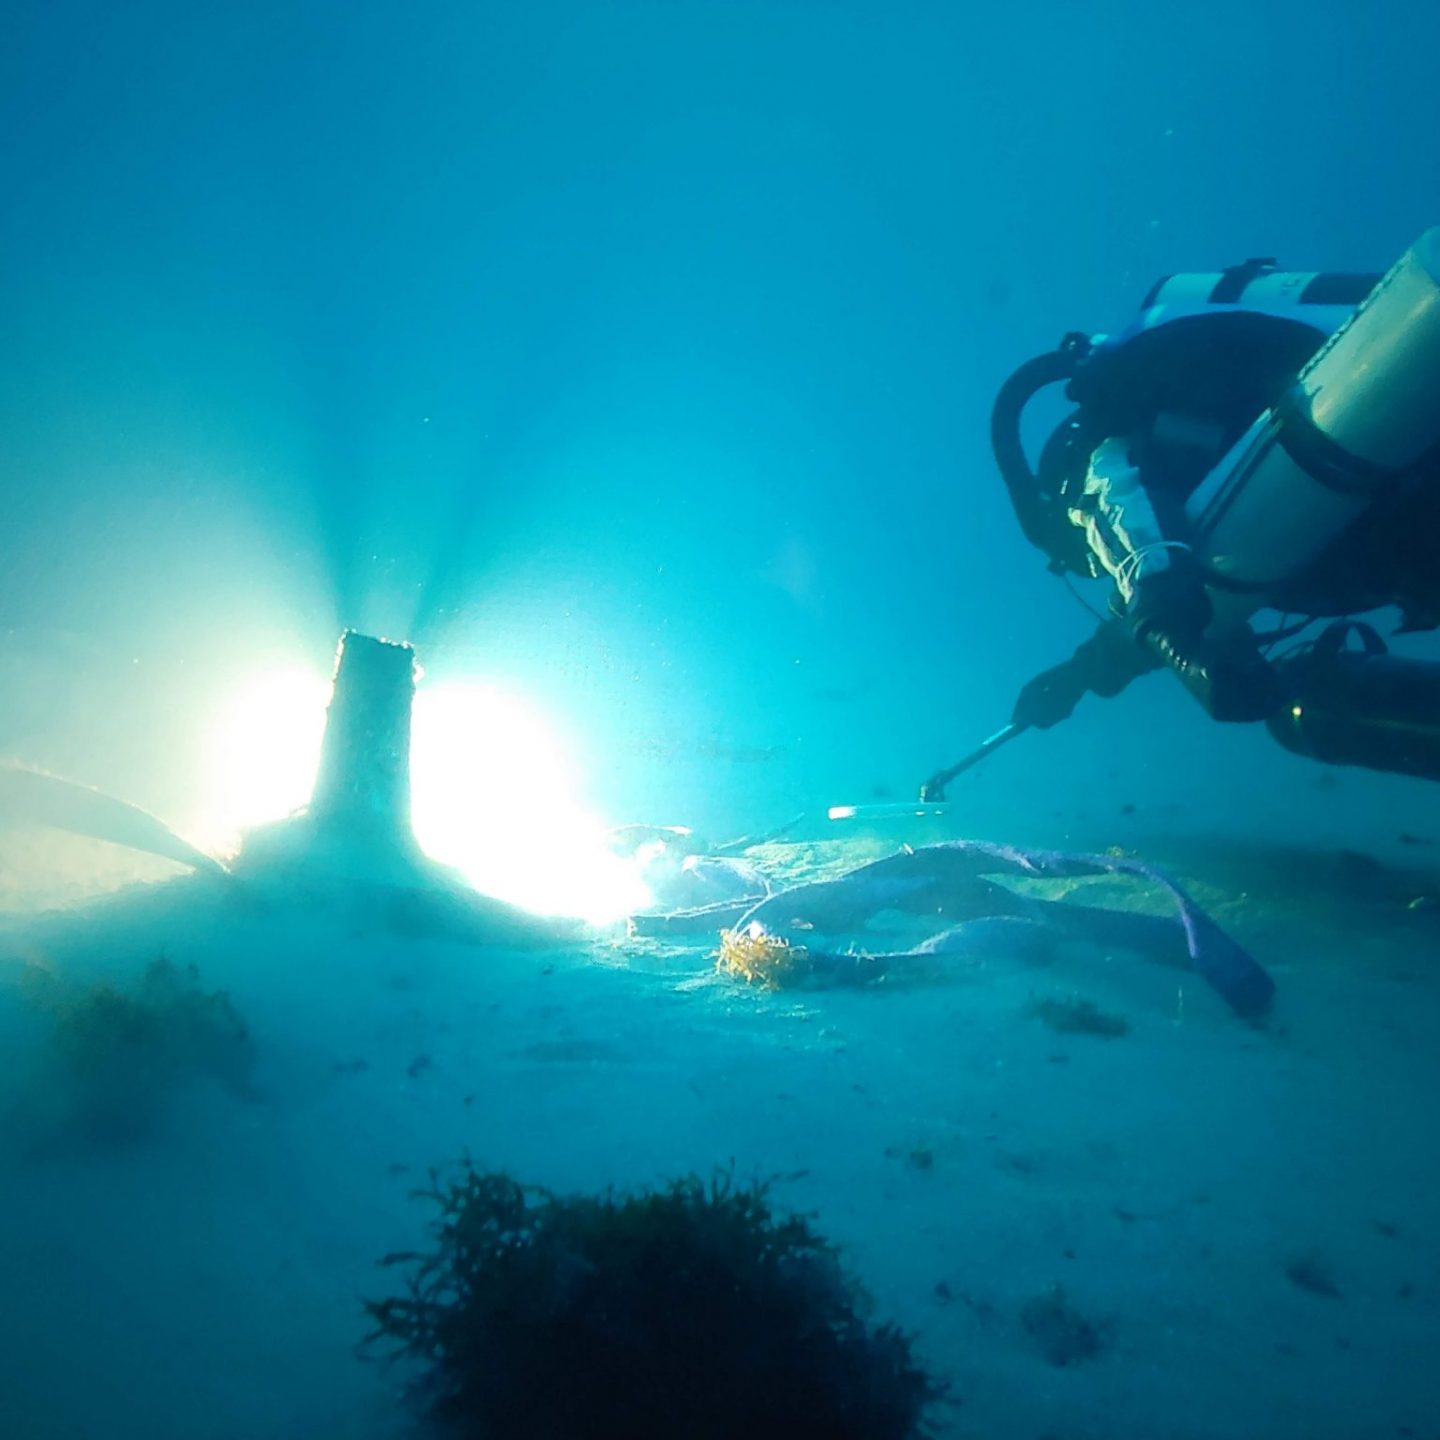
[[1034, 505]]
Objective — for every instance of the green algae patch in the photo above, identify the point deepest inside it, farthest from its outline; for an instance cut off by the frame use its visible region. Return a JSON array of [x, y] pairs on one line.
[[694, 1309]]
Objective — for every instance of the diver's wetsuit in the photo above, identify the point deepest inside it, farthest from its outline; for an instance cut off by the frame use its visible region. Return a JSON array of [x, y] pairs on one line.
[[1151, 428], [1164, 608], [1389, 558]]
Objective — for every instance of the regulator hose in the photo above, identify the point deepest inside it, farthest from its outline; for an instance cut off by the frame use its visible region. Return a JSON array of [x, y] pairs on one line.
[[1034, 507]]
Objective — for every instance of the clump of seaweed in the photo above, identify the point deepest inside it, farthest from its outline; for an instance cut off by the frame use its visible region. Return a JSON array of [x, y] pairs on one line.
[[123, 1052], [688, 1310], [757, 957], [1059, 1331], [1070, 1015]]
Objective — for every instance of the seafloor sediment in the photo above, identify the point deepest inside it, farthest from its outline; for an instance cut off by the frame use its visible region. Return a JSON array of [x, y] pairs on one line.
[[1183, 1227]]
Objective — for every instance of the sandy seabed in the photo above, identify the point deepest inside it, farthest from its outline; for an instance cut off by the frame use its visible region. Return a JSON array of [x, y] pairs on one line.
[[1245, 1214]]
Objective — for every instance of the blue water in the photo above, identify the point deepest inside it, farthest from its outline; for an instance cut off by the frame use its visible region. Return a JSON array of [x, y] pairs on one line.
[[636, 360]]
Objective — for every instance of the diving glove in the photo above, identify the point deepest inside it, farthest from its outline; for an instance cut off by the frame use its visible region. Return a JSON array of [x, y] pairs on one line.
[[1049, 698], [1103, 665]]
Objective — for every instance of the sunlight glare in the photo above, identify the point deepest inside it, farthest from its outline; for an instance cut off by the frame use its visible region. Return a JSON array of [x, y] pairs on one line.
[[264, 751], [495, 796]]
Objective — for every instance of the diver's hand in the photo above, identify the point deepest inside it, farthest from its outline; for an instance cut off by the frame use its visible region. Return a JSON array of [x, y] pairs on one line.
[[1111, 658], [1050, 697], [1103, 665]]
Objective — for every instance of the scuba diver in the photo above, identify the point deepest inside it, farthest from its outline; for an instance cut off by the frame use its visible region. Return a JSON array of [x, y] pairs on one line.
[[1256, 440]]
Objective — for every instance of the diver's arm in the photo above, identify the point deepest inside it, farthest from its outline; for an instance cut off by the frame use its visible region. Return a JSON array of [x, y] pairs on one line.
[[1230, 678], [1167, 612], [1167, 607], [1153, 572], [1228, 675]]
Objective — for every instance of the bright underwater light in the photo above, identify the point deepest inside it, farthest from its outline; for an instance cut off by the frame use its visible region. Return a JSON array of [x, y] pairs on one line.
[[492, 793], [264, 751], [494, 796]]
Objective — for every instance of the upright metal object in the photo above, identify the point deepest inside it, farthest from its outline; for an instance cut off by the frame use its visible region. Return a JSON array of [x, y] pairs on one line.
[[357, 824], [351, 852], [363, 786], [353, 846]]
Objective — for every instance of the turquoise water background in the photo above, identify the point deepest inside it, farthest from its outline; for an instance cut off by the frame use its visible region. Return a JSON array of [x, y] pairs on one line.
[[636, 360], [638, 355]]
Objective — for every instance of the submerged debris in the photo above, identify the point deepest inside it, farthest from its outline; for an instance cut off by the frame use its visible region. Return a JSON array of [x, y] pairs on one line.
[[960, 882], [758, 957], [1312, 1272], [917, 1156], [690, 1310], [1059, 1331], [1071, 1015]]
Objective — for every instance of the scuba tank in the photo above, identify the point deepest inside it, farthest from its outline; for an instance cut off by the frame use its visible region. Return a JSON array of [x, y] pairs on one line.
[[1258, 285], [1363, 413], [1362, 707]]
